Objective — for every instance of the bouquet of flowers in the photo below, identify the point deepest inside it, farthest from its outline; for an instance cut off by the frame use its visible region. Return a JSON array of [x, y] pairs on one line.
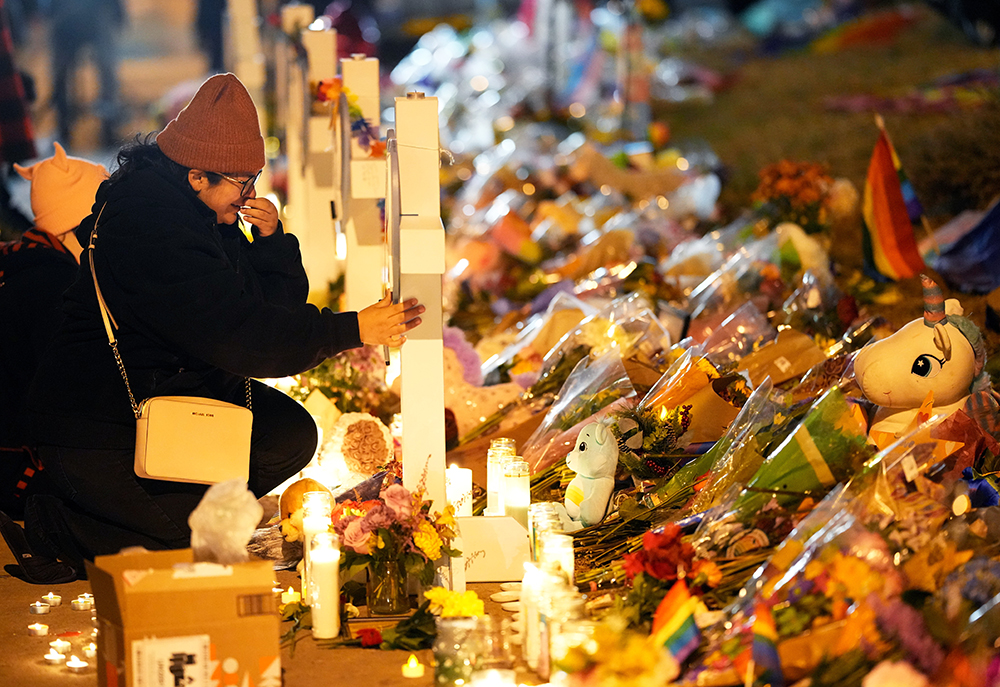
[[652, 570], [398, 527], [354, 380], [795, 192]]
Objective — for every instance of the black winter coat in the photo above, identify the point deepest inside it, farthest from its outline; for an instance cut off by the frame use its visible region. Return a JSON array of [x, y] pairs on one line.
[[34, 273], [198, 308]]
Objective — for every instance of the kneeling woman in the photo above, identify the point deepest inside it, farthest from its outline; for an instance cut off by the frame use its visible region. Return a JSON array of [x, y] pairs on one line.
[[199, 309]]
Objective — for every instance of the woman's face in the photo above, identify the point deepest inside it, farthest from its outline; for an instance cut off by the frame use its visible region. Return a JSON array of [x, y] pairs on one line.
[[225, 197]]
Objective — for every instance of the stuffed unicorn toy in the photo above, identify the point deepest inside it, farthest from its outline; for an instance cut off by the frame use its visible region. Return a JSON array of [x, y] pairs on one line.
[[934, 360], [594, 459]]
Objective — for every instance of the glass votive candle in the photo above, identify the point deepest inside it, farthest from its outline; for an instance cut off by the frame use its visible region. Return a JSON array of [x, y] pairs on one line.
[[54, 657], [456, 651], [494, 677], [38, 630], [517, 490], [52, 599], [39, 608]]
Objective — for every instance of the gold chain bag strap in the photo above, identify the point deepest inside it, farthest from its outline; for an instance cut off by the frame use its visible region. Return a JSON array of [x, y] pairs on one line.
[[182, 438]]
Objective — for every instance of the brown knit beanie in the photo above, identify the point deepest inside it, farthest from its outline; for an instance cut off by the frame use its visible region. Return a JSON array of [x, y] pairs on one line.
[[218, 131]]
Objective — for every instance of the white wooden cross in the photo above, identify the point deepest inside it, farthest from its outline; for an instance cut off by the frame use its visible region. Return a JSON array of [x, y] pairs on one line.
[[309, 140]]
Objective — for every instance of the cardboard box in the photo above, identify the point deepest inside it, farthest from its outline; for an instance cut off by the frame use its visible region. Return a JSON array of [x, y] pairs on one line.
[[167, 621]]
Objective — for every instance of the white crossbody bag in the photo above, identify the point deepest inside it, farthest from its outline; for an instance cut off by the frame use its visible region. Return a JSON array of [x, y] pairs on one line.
[[183, 438]]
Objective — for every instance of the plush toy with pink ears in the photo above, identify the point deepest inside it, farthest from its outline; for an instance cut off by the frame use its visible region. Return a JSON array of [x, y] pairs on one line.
[[938, 357]]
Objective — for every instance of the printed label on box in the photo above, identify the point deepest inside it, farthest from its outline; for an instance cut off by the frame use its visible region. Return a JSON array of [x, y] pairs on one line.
[[171, 661]]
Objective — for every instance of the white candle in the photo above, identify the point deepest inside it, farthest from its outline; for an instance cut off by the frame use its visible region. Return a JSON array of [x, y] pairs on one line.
[[38, 630], [54, 657], [517, 491], [90, 651], [290, 597], [458, 489], [501, 450], [52, 599], [413, 667], [60, 645], [493, 677], [82, 604], [325, 578], [316, 509], [38, 608], [77, 665]]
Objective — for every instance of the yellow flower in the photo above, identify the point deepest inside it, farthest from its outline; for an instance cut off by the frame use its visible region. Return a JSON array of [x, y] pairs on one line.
[[427, 540], [448, 604], [447, 518]]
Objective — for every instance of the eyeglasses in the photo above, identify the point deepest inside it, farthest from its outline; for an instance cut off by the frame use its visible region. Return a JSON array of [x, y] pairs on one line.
[[244, 184]]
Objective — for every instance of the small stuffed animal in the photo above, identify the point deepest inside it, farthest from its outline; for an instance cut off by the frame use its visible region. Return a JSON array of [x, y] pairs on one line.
[[594, 459], [941, 355]]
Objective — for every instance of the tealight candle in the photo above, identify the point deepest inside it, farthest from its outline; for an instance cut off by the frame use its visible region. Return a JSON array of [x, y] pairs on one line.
[[87, 597], [60, 645], [38, 630], [39, 607], [81, 604], [76, 665], [291, 596], [52, 599], [413, 667], [90, 651], [54, 657]]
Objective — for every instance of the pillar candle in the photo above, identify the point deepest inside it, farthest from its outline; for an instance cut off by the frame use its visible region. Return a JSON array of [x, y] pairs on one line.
[[458, 486], [325, 577], [517, 491], [316, 509]]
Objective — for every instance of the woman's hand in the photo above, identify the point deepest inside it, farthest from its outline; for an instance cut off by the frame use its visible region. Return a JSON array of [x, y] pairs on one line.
[[386, 323], [261, 213]]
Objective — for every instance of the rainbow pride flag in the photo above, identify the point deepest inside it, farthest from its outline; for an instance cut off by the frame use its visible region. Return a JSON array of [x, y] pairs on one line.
[[891, 210], [673, 622]]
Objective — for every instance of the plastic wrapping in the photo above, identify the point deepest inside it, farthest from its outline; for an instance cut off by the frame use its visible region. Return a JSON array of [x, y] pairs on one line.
[[594, 385], [871, 573], [223, 522]]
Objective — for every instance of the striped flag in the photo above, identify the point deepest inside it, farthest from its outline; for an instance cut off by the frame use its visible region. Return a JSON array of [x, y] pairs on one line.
[[891, 210], [673, 622]]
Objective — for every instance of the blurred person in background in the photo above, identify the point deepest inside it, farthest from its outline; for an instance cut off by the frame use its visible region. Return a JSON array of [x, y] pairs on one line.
[[17, 135], [74, 27], [34, 273]]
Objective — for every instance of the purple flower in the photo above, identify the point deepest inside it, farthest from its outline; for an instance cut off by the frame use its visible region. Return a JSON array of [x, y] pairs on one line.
[[379, 517], [340, 525], [472, 371], [398, 499], [905, 624], [356, 537]]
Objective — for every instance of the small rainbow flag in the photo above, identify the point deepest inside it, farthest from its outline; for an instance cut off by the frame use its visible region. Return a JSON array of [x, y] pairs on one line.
[[891, 210], [673, 622]]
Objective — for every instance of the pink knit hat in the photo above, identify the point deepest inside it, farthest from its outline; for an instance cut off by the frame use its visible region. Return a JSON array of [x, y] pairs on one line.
[[62, 190], [218, 131]]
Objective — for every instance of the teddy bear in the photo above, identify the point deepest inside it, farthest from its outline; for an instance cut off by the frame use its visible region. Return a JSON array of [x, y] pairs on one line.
[[594, 458]]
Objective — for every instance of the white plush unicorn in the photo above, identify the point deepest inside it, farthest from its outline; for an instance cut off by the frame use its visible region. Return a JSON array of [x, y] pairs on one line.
[[938, 358], [594, 459]]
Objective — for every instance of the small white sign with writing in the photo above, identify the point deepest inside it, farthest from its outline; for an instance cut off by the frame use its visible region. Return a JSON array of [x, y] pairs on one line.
[[495, 548]]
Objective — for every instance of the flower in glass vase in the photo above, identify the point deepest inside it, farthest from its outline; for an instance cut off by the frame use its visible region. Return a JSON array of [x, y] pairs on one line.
[[392, 537]]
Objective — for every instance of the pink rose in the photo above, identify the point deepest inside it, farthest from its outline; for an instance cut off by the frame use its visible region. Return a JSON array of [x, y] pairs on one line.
[[397, 497], [356, 537]]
